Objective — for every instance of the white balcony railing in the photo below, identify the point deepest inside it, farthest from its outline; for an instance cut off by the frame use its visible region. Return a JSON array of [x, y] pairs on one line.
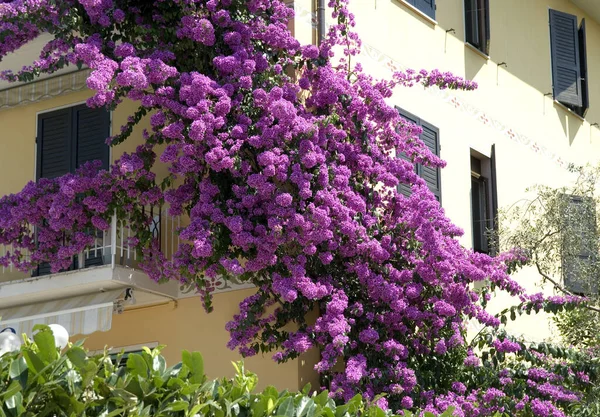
[[111, 247]]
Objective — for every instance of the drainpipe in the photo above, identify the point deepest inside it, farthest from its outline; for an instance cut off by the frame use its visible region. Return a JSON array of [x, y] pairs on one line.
[[320, 21]]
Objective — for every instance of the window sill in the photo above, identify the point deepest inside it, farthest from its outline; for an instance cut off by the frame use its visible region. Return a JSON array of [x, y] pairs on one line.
[[417, 12], [568, 110], [477, 51]]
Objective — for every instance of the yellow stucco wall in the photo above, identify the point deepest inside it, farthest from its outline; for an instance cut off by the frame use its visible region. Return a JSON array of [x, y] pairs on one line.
[[186, 325]]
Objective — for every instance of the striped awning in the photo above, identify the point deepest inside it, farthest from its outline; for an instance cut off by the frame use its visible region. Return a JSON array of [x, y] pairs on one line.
[[84, 314]]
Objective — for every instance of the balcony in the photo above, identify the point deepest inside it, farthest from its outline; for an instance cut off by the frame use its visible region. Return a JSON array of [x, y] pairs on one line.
[[101, 280]]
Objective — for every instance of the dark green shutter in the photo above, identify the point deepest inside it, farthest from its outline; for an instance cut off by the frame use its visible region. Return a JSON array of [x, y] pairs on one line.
[[430, 137], [486, 30], [91, 129], [431, 175], [585, 101], [426, 6], [566, 71], [580, 249], [494, 245], [477, 24], [68, 138], [405, 188], [54, 144]]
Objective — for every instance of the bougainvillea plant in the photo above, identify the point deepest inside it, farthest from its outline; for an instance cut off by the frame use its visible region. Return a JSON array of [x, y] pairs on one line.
[[285, 159]]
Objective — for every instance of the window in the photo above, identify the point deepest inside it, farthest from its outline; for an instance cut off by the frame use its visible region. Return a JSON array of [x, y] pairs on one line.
[[120, 359], [579, 245], [426, 6], [431, 138], [477, 24], [483, 201], [569, 61], [66, 139]]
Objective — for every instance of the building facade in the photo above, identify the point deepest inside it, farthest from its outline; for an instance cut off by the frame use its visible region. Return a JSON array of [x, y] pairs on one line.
[[535, 111]]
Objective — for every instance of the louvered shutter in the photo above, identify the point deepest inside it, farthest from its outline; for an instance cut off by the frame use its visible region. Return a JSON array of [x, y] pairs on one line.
[[487, 30], [426, 6], [431, 175], [585, 101], [54, 147], [471, 20], [494, 246], [566, 71], [580, 249], [54, 144], [68, 138], [92, 127], [405, 188]]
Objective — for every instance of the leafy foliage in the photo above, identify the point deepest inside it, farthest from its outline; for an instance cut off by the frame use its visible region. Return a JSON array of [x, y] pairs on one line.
[[39, 381]]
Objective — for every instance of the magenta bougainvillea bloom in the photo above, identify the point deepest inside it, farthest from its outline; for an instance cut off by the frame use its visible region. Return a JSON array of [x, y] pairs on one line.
[[286, 160]]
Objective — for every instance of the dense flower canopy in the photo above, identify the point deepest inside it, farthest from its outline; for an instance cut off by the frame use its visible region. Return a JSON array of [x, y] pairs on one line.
[[285, 159]]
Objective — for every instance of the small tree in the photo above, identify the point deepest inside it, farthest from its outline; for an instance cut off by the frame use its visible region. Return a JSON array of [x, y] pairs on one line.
[[558, 230]]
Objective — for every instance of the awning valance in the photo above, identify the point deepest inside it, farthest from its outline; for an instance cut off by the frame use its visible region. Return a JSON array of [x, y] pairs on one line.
[[84, 314]]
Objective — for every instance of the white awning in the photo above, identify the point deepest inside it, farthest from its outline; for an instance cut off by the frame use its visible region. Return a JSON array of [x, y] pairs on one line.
[[84, 314]]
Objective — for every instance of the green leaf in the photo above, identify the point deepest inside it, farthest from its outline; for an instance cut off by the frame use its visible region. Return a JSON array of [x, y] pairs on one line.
[[33, 361], [137, 365], [176, 406], [12, 389], [448, 413], [77, 356], [194, 362], [306, 407], [322, 398], [19, 371], [159, 364], [44, 339], [15, 404], [286, 408]]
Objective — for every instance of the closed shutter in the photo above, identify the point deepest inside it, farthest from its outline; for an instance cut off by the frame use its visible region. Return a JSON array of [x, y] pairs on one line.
[[580, 249], [405, 188], [54, 144], [92, 128], [430, 137], [566, 70], [585, 101], [431, 175], [68, 138], [426, 6]]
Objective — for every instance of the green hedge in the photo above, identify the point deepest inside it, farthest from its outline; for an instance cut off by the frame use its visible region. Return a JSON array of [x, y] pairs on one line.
[[39, 381]]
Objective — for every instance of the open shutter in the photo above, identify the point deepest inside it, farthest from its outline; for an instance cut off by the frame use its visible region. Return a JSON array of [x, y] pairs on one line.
[[566, 71], [54, 143], [91, 129], [426, 6], [431, 175], [486, 28], [494, 245], [580, 249], [585, 101], [471, 22]]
